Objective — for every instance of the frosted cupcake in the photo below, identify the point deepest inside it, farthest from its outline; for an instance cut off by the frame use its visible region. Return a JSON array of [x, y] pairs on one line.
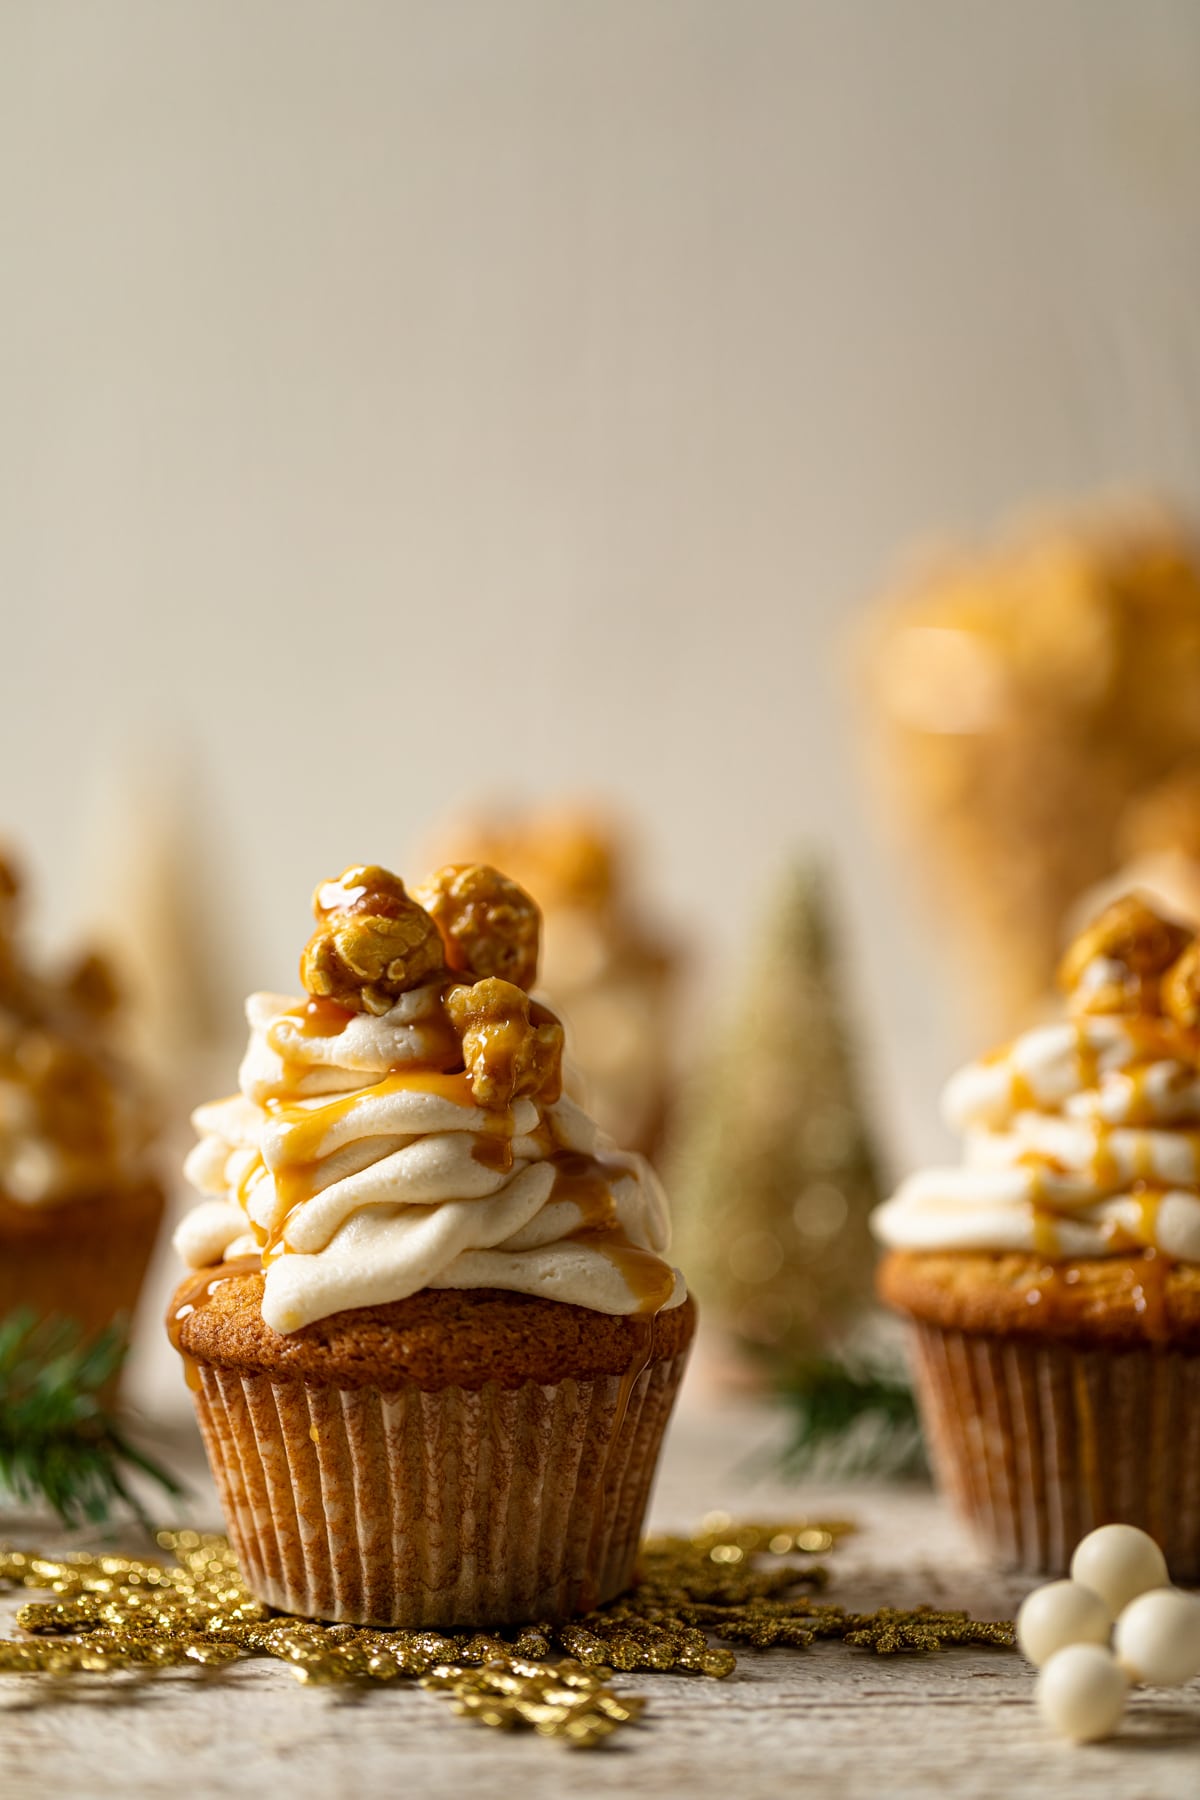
[[79, 1203], [432, 1335], [1053, 1278]]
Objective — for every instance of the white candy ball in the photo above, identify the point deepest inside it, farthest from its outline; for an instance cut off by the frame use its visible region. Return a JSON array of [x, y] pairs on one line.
[[1081, 1692], [1119, 1562], [1157, 1639], [1061, 1613]]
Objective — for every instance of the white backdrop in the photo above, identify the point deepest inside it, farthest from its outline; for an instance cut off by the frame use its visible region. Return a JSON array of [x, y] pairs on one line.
[[403, 399]]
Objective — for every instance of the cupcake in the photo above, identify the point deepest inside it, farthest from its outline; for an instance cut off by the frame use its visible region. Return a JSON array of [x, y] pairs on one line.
[[79, 1203], [1053, 1279], [431, 1335]]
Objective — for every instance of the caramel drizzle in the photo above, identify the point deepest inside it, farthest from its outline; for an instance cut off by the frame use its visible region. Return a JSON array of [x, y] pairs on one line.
[[584, 1180], [1147, 1266], [1155, 1040], [197, 1292]]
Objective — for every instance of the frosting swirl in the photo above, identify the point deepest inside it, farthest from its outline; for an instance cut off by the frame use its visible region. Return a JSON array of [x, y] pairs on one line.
[[1081, 1139], [358, 1160]]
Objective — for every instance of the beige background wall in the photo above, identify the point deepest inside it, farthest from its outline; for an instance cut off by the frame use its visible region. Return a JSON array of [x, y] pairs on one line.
[[400, 400]]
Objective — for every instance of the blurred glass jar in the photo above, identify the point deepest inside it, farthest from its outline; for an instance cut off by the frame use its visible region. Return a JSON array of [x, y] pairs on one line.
[[1022, 701]]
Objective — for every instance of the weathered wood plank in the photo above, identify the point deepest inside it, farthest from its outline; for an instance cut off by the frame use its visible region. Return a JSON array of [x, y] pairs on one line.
[[833, 1721]]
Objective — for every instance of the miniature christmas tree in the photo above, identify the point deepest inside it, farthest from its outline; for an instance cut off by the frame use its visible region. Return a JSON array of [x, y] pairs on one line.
[[775, 1175]]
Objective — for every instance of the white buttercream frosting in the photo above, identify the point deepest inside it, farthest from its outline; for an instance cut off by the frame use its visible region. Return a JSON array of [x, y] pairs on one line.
[[1081, 1139], [362, 1175]]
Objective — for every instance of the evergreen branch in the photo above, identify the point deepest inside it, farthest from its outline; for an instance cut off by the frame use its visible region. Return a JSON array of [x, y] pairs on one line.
[[59, 1442], [851, 1419]]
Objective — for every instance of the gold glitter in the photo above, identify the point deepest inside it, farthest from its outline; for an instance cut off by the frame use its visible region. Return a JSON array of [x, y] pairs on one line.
[[565, 1701], [729, 1582]]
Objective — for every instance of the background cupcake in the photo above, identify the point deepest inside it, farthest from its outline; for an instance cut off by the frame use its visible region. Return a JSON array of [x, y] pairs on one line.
[[79, 1203], [432, 1336], [1054, 1278]]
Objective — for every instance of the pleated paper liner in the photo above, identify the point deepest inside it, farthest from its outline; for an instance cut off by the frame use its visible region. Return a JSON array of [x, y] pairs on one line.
[[83, 1260], [1036, 1444], [450, 1508]]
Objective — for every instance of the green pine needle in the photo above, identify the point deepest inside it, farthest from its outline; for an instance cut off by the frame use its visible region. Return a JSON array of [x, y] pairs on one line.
[[851, 1419], [59, 1443]]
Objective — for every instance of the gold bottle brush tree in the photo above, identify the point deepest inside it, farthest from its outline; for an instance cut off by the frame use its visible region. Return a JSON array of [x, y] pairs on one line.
[[773, 1175]]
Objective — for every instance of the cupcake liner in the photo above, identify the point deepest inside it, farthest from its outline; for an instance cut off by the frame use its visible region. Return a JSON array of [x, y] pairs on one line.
[[459, 1507], [1038, 1443], [84, 1260]]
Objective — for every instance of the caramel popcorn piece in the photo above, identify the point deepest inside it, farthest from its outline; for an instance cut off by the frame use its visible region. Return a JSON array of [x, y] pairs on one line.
[[92, 987], [372, 941], [489, 925], [511, 1045], [10, 886], [1181, 989], [1118, 962], [1166, 817], [73, 1095]]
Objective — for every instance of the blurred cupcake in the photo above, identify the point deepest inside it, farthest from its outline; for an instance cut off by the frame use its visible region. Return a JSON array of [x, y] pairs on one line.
[[1022, 699], [79, 1204], [1053, 1279], [611, 974], [432, 1338], [1159, 844]]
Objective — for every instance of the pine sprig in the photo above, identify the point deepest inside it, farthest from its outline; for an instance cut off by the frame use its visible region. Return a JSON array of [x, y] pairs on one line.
[[59, 1441], [851, 1419]]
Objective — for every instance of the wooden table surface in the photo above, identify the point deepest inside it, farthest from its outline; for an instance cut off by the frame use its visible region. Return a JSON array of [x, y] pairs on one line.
[[827, 1722]]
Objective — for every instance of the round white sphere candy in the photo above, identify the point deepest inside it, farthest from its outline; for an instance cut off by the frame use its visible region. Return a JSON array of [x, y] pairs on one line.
[[1081, 1692], [1119, 1562], [1157, 1639], [1061, 1613]]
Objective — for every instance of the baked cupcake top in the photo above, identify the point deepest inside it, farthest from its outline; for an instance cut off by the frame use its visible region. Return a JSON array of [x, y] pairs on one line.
[[403, 1126], [75, 1119], [1082, 1137]]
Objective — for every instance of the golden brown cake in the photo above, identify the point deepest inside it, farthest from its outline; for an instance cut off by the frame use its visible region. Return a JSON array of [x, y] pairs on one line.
[[79, 1203], [431, 1334], [1053, 1279]]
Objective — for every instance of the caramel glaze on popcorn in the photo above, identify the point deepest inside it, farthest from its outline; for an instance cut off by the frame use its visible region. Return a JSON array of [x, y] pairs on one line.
[[1132, 961], [487, 1044], [488, 923], [372, 941]]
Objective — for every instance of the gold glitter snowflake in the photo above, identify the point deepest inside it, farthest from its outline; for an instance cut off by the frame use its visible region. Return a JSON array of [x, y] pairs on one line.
[[729, 1582]]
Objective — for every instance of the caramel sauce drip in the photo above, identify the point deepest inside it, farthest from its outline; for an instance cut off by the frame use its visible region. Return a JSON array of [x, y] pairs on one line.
[[197, 1292], [1148, 1274], [1087, 1058], [306, 1128], [649, 1279], [1142, 1235], [1021, 1095], [326, 1018], [585, 1181], [313, 1019], [493, 1152], [1046, 1241]]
